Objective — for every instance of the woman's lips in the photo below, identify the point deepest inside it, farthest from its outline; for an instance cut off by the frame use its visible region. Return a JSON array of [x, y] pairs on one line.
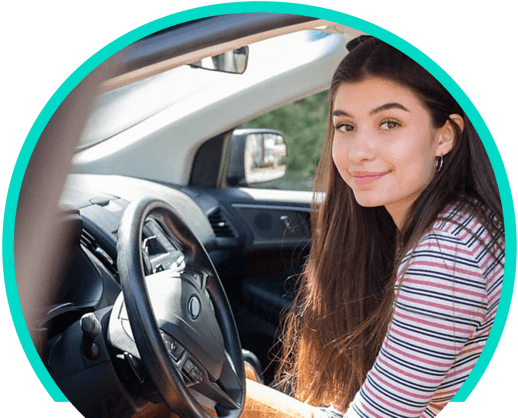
[[362, 178]]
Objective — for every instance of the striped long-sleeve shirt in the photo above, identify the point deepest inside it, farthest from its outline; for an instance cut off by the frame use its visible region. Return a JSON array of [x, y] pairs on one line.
[[449, 287]]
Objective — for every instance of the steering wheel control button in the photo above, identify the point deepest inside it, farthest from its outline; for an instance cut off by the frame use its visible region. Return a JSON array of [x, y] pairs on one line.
[[173, 347], [192, 372], [188, 366], [196, 374], [194, 307], [176, 350]]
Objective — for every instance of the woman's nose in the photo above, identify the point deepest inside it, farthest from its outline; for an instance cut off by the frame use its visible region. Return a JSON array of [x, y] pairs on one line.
[[361, 147]]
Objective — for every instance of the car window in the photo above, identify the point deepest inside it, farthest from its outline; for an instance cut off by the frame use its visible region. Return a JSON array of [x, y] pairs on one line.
[[303, 124]]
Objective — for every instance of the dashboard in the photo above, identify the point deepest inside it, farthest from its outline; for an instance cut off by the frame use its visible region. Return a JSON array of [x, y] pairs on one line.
[[239, 228]]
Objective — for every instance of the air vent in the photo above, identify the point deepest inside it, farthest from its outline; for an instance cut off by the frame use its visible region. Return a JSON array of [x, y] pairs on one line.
[[220, 225], [89, 241]]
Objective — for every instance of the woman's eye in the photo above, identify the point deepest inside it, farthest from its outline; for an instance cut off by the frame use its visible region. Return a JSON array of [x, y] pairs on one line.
[[389, 124], [344, 127]]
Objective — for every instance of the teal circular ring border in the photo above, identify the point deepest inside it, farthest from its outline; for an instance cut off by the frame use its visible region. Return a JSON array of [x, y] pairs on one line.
[[246, 7]]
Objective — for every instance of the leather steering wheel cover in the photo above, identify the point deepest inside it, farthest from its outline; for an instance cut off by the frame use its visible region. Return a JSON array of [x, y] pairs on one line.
[[143, 323]]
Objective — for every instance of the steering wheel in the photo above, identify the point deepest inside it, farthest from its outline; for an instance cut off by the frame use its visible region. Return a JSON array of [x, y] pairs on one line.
[[180, 319]]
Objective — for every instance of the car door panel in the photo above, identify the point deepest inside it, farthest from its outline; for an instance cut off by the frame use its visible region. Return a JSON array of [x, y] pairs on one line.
[[273, 229]]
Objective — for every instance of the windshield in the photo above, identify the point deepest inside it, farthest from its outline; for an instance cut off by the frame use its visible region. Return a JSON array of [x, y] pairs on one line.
[[182, 90]]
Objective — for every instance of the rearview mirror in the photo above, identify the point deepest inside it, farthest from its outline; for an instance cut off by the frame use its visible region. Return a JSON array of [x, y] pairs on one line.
[[256, 156], [234, 61]]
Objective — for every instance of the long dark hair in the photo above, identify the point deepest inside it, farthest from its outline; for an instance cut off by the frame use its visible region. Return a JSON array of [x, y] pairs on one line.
[[340, 317]]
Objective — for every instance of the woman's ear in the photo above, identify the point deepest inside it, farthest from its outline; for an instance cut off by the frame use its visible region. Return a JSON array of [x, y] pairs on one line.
[[448, 134], [459, 120]]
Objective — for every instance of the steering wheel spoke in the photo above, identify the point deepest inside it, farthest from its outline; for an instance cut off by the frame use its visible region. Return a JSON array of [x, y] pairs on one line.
[[223, 391], [229, 380], [213, 391]]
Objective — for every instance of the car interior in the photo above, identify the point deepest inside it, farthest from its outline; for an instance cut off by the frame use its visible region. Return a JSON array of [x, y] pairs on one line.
[[170, 262]]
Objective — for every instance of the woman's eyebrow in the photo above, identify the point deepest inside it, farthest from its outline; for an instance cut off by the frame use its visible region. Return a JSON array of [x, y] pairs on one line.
[[340, 113], [392, 105]]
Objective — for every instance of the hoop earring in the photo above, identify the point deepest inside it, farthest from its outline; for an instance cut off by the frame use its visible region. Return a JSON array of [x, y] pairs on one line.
[[438, 163]]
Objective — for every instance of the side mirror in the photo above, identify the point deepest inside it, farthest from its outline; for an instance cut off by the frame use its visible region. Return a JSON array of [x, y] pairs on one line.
[[256, 156]]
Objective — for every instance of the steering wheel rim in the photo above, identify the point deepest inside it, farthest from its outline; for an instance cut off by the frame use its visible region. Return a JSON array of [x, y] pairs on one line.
[[168, 376]]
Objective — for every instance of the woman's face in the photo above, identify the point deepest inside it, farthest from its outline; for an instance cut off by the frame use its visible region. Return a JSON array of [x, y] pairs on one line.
[[384, 144]]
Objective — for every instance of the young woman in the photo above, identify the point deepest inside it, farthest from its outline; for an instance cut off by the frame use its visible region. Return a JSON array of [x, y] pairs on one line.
[[404, 277]]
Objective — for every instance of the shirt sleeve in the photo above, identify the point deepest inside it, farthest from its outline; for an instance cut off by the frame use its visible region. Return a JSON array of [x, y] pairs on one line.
[[441, 302]]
